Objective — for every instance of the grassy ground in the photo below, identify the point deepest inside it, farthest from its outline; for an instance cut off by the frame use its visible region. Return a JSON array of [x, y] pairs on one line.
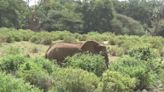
[[30, 49], [25, 48]]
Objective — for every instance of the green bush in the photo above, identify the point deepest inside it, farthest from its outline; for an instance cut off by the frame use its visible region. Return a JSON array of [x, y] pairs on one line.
[[70, 39], [116, 51], [161, 72], [12, 50], [10, 84], [43, 63], [88, 62], [41, 38], [25, 34], [135, 69], [46, 41], [161, 51], [98, 36], [143, 54], [9, 39], [162, 77], [59, 35], [74, 80], [35, 75], [34, 39], [11, 63], [116, 82]]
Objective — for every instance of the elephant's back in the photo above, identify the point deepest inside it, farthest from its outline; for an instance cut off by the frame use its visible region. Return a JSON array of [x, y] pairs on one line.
[[67, 45], [62, 50], [66, 49]]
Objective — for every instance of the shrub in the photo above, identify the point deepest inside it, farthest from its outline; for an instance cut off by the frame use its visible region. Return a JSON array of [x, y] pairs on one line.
[[13, 50], [113, 41], [162, 77], [70, 39], [74, 80], [161, 51], [116, 82], [88, 62], [116, 51], [156, 42], [11, 63], [135, 69], [97, 36], [28, 35], [143, 54], [11, 84], [60, 35], [41, 38], [35, 75], [35, 39], [46, 41], [161, 72], [9, 39], [45, 64]]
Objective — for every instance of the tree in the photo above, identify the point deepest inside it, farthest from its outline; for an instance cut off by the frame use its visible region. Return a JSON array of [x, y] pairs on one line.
[[148, 12], [60, 15], [12, 13], [97, 15], [158, 15]]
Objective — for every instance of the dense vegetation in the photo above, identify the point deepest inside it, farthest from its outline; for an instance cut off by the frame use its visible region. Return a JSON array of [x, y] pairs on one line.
[[136, 63], [132, 31], [121, 17]]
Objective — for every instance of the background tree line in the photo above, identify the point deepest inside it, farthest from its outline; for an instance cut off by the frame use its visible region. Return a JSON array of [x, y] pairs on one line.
[[133, 17]]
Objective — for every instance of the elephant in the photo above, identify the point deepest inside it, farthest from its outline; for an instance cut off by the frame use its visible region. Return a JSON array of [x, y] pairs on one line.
[[60, 51]]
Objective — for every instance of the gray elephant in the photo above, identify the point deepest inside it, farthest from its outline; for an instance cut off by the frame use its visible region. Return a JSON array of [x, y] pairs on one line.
[[60, 51]]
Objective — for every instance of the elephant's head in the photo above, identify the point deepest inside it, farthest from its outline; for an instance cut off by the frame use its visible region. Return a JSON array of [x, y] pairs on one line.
[[96, 48]]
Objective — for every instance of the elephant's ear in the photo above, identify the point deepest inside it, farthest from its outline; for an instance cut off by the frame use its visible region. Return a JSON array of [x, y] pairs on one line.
[[90, 46], [102, 49]]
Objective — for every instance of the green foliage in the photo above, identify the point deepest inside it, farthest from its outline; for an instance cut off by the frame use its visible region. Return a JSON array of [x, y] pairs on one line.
[[36, 72], [116, 51], [84, 16], [97, 36], [43, 63], [74, 80], [11, 84], [141, 10], [143, 54], [13, 50], [144, 65], [11, 63], [104, 14], [126, 25], [135, 69], [11, 35], [116, 82], [13, 13], [161, 75], [60, 15], [42, 38], [70, 39], [88, 62], [161, 29]]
